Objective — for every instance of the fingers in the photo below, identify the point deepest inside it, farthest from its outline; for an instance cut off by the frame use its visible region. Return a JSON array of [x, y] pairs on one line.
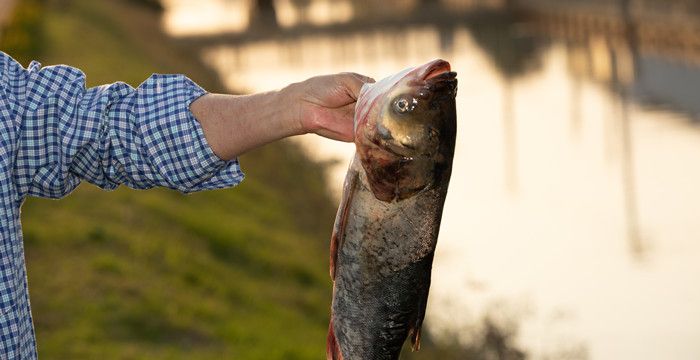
[[353, 82], [329, 104], [337, 124], [365, 79], [343, 125]]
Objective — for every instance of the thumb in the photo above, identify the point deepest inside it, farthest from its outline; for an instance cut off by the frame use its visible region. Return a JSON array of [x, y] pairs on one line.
[[354, 81]]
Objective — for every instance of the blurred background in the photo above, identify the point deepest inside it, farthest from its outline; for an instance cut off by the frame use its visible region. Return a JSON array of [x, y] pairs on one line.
[[572, 226]]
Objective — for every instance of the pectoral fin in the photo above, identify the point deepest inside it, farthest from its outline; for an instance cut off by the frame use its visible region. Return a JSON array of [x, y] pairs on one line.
[[415, 332], [415, 338], [341, 218], [332, 346]]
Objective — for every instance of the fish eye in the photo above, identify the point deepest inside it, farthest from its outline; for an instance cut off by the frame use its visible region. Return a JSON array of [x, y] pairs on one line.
[[402, 105]]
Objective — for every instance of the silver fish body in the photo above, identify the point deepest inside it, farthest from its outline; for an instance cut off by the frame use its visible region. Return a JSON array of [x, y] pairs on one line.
[[388, 220]]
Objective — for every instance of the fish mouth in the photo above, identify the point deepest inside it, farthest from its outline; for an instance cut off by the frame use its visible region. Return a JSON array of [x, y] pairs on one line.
[[435, 69], [436, 79], [442, 86]]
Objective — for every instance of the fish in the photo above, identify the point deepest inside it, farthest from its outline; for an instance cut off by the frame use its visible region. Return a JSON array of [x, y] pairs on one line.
[[386, 228]]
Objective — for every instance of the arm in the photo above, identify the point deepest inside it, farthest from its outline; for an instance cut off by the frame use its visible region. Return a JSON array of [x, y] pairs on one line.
[[156, 135], [323, 105]]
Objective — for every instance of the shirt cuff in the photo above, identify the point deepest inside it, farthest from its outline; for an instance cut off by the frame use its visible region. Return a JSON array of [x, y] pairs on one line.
[[223, 174]]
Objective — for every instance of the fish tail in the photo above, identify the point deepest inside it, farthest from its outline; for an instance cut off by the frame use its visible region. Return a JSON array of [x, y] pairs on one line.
[[332, 346]]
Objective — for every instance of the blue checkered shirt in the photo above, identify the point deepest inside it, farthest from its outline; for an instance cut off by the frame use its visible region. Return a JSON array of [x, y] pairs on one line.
[[54, 133]]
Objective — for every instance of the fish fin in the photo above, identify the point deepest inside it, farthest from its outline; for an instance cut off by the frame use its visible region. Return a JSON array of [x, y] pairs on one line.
[[332, 346], [341, 218], [415, 331], [418, 324], [415, 339]]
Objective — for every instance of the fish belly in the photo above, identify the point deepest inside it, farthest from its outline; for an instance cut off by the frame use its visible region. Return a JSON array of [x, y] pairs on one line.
[[383, 275]]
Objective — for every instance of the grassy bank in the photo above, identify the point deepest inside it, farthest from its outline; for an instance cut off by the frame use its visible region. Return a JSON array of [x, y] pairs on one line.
[[238, 273]]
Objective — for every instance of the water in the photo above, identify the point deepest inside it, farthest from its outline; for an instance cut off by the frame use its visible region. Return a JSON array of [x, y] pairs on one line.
[[574, 205]]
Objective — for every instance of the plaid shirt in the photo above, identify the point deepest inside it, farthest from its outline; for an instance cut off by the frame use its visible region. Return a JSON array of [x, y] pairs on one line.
[[55, 133]]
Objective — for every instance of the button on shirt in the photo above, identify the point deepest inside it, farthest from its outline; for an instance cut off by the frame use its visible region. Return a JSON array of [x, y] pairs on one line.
[[54, 133]]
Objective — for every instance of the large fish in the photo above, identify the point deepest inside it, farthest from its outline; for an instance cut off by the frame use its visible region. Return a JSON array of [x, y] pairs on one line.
[[387, 224]]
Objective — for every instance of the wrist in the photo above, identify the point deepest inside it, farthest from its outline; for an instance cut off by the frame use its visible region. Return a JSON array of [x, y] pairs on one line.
[[292, 109]]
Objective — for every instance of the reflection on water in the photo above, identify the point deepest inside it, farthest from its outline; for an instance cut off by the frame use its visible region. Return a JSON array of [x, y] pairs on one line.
[[574, 198]]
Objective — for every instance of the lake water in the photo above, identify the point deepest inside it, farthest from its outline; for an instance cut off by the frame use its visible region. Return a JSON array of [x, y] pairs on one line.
[[574, 207]]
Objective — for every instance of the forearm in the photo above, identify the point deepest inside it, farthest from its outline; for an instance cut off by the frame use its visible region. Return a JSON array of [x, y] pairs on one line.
[[324, 105], [235, 124]]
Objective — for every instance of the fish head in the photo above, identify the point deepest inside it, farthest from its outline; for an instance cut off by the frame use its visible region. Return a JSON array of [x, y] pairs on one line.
[[405, 128]]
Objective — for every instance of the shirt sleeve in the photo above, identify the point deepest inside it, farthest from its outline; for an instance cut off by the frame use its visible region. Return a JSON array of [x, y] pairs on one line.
[[108, 135]]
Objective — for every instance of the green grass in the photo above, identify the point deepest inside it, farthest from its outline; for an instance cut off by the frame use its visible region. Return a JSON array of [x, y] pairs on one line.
[[164, 275], [238, 273]]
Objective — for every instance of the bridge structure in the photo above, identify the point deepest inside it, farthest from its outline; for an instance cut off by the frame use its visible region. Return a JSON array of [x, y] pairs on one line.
[[668, 28]]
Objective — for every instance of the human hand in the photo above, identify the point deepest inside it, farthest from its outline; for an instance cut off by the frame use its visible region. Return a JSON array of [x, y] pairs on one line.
[[325, 105]]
